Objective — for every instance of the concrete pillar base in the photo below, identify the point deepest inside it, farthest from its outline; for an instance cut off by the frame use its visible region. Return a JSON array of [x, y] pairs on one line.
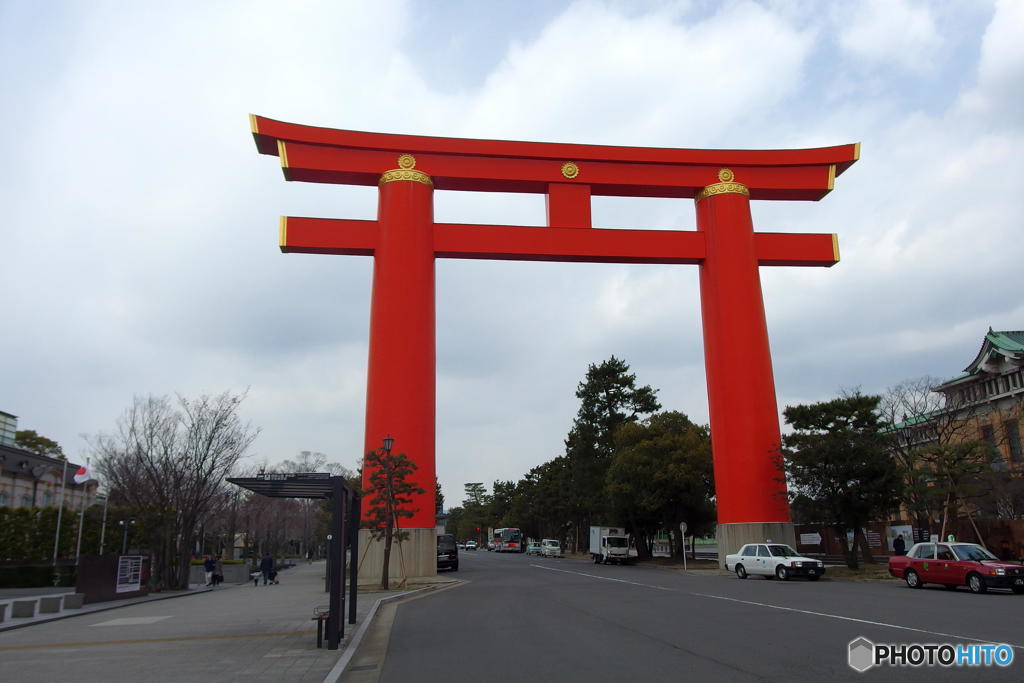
[[731, 537], [411, 560]]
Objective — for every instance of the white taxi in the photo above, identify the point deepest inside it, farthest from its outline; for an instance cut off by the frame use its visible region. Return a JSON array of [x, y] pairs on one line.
[[773, 561]]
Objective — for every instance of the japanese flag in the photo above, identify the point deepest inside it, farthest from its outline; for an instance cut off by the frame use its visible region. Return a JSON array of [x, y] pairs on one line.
[[83, 474]]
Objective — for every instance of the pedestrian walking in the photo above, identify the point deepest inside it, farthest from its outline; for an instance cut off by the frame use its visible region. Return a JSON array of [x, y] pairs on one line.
[[266, 567], [208, 567]]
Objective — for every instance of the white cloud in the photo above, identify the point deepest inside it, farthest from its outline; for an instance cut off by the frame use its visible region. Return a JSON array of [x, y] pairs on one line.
[[890, 33], [1000, 88]]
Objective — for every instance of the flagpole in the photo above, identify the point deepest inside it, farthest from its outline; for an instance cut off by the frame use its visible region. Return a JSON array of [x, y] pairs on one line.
[[81, 515], [103, 527], [60, 511]]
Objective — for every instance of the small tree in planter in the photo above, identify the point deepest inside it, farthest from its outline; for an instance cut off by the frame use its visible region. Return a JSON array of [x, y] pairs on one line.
[[387, 493]]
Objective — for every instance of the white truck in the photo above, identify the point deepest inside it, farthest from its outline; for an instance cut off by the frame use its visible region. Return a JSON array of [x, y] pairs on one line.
[[609, 544]]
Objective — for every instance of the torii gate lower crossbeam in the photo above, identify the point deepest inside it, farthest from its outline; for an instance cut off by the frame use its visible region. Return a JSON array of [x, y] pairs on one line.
[[405, 241]]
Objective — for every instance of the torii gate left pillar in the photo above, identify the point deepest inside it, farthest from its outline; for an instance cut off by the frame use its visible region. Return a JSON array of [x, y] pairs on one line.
[[405, 241], [401, 369]]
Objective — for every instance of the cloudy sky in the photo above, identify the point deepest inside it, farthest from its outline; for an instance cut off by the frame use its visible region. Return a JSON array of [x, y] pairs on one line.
[[139, 249]]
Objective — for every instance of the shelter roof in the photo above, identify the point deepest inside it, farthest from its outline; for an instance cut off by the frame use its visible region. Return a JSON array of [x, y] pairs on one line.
[[293, 485]]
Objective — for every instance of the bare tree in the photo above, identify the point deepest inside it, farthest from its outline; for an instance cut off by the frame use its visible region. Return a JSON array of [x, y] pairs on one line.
[[168, 460], [935, 445]]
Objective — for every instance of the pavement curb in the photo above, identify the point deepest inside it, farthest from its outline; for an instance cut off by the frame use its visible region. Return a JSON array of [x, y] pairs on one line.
[[353, 645]]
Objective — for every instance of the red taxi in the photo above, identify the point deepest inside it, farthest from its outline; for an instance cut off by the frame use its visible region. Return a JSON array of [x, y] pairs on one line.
[[956, 564]]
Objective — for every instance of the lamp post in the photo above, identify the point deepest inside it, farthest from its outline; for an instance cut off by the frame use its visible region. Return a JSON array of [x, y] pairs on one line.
[[124, 535]]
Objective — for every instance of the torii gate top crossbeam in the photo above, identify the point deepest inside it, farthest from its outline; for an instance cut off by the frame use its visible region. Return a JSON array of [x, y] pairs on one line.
[[327, 155]]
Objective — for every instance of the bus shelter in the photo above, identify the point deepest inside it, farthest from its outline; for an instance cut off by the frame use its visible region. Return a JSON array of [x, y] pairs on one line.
[[344, 529]]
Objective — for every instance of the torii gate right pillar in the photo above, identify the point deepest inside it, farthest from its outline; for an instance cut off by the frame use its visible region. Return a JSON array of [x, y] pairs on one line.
[[749, 484]]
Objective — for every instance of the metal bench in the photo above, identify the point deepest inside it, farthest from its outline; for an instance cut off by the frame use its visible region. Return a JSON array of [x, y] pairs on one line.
[[320, 615]]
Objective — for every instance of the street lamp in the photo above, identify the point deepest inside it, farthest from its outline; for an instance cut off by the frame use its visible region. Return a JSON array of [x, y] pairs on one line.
[[388, 443], [124, 536]]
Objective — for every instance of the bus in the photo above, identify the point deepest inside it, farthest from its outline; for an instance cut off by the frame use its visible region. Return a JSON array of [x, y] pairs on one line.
[[508, 540]]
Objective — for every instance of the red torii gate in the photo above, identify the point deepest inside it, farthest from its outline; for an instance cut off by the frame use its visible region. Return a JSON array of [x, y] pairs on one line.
[[405, 240]]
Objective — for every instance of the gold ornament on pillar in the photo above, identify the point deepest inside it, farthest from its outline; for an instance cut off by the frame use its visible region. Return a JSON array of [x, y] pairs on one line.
[[726, 185], [406, 171]]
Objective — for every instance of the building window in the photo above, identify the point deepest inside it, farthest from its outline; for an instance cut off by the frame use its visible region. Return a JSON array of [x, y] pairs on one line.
[[8, 428], [988, 435], [1012, 432], [3, 499], [26, 501], [47, 499]]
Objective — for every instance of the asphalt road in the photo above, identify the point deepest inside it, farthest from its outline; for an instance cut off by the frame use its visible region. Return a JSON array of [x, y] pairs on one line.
[[524, 618]]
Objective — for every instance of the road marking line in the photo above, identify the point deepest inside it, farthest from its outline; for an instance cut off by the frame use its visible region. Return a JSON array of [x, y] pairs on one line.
[[855, 619], [605, 578], [100, 643], [786, 609], [131, 621]]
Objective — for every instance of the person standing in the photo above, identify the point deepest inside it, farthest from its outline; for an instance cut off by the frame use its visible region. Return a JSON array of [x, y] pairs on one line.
[[218, 571], [266, 567], [208, 567], [899, 547]]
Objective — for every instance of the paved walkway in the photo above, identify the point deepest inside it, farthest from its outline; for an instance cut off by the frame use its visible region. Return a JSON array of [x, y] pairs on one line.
[[229, 633]]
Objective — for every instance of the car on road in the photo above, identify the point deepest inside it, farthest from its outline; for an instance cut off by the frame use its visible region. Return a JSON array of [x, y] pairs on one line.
[[447, 552], [550, 547], [470, 545], [533, 548], [490, 545], [773, 561], [956, 564]]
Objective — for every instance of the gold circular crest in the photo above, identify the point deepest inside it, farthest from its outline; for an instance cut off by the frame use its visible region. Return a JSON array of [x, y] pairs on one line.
[[570, 170], [726, 175], [407, 161]]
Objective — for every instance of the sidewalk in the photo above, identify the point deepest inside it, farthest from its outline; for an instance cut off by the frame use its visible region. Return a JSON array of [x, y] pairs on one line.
[[9, 595], [236, 632]]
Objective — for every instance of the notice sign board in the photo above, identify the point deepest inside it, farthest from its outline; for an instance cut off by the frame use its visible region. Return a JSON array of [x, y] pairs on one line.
[[129, 573]]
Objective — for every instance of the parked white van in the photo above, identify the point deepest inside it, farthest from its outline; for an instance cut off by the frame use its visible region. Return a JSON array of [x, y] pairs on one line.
[[550, 547]]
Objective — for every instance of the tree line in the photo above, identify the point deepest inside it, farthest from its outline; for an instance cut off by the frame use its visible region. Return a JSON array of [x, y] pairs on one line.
[[847, 461], [164, 468], [624, 464]]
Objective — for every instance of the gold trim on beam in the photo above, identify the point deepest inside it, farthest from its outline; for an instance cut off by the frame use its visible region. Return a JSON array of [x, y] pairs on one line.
[[254, 124], [856, 151], [835, 247], [283, 237], [831, 177], [282, 152]]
